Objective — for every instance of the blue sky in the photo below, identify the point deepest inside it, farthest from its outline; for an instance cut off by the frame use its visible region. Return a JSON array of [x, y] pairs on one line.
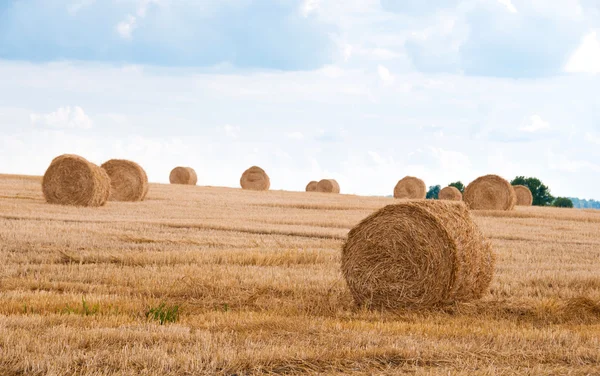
[[364, 91]]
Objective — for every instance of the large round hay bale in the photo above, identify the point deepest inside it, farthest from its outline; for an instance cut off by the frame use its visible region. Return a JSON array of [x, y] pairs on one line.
[[72, 180], [183, 175], [312, 186], [128, 180], [411, 188], [490, 192], [524, 196], [417, 254], [328, 186], [255, 179], [450, 193]]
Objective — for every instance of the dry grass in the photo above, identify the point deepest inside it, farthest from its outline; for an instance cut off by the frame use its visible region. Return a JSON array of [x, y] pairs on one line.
[[263, 293]]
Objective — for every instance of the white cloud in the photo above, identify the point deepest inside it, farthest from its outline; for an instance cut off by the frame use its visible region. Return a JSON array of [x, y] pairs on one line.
[[509, 5], [64, 117], [561, 162], [76, 6], [592, 138], [231, 130], [586, 58], [376, 53], [309, 6], [452, 161], [376, 158], [385, 75], [125, 28], [296, 135], [535, 123]]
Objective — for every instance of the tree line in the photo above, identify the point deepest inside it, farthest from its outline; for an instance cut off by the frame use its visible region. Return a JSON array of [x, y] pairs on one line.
[[540, 192]]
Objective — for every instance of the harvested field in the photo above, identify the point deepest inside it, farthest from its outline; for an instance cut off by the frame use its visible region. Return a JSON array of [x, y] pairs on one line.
[[249, 282]]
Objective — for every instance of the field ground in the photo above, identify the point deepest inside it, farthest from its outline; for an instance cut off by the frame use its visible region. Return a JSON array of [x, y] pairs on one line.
[[255, 280]]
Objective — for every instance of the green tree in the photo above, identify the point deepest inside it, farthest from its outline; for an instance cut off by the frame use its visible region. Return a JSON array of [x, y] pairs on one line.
[[458, 185], [563, 202], [433, 192], [541, 193]]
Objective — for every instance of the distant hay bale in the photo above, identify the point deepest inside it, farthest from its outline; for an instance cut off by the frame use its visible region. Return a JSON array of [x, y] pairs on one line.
[[312, 186], [450, 193], [328, 186], [183, 175], [128, 180], [411, 188], [255, 179], [417, 254], [490, 192], [524, 196], [72, 180]]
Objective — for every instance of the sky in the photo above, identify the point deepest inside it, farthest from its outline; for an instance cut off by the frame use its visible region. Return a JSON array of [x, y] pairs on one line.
[[362, 91]]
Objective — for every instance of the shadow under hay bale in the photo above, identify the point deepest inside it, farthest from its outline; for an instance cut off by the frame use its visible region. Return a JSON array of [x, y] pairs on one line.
[[73, 180], [255, 179], [490, 192], [128, 180], [183, 175], [328, 186], [417, 254], [450, 194], [410, 187], [312, 186], [524, 196]]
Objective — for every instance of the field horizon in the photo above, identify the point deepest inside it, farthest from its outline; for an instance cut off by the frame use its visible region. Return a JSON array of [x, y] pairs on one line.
[[218, 280]]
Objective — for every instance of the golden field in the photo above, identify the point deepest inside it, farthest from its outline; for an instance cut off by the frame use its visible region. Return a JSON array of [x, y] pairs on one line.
[[255, 279]]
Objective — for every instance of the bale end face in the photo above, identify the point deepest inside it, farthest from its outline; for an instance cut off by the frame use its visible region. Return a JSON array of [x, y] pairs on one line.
[[524, 196], [410, 187], [490, 192], [312, 186], [417, 254], [183, 175], [450, 194], [328, 186], [73, 180], [255, 179], [128, 180]]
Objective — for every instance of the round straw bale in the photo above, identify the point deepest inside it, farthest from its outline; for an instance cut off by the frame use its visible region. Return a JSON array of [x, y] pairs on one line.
[[183, 175], [490, 192], [450, 193], [328, 186], [417, 254], [524, 196], [410, 187], [72, 180], [255, 179], [128, 180], [312, 186]]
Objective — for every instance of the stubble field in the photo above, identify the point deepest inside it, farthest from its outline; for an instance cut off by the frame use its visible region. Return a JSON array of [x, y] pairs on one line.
[[253, 286]]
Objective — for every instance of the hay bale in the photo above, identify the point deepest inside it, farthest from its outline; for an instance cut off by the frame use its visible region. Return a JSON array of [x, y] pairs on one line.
[[417, 254], [328, 186], [183, 175], [411, 188], [128, 180], [490, 192], [255, 179], [312, 186], [450, 193], [72, 180], [524, 196]]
